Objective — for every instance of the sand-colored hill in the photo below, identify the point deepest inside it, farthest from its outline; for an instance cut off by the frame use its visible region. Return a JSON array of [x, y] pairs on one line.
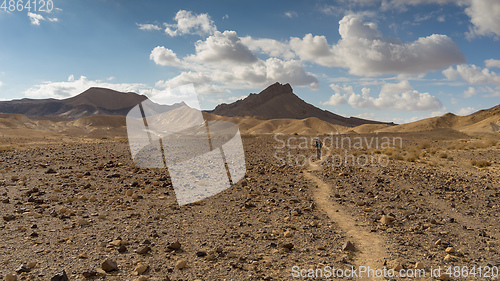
[[483, 121]]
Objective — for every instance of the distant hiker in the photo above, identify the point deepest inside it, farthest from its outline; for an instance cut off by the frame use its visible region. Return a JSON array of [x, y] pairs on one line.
[[318, 144]]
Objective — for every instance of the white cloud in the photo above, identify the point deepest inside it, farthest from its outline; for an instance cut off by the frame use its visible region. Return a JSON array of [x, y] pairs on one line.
[[400, 96], [222, 48], [163, 56], [269, 47], [473, 74], [471, 91], [465, 111], [291, 14], [365, 52], [223, 60], [53, 19], [74, 87], [189, 23], [148, 26], [35, 18], [492, 63], [484, 15]]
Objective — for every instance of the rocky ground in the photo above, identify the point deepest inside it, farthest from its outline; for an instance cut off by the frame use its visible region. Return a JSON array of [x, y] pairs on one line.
[[81, 210]]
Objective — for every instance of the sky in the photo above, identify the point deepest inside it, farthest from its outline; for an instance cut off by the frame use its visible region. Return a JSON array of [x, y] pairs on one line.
[[386, 60]]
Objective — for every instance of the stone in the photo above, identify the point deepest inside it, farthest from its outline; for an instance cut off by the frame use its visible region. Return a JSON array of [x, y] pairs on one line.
[[109, 265], [395, 265], [9, 217], [22, 268], [288, 246], [448, 258], [180, 264], [348, 246], [140, 268], [386, 220], [10, 277], [89, 273], [174, 246], [129, 192], [60, 276], [31, 264], [450, 250], [143, 250], [122, 249], [287, 234], [201, 254], [419, 265]]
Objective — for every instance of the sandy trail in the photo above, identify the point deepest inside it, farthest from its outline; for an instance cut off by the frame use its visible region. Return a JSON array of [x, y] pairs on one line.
[[370, 248]]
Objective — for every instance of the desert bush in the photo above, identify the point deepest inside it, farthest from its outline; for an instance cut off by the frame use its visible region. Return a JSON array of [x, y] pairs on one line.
[[480, 163]]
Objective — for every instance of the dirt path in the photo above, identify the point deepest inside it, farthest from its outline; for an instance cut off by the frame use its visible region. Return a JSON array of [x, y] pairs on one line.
[[370, 248]]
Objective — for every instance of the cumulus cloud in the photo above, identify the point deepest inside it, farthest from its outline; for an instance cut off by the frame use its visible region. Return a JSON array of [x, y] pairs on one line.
[[473, 74], [35, 18], [222, 47], [471, 91], [466, 111], [365, 52], [73, 87], [492, 63], [399, 96], [163, 56], [223, 60], [148, 26], [270, 47], [189, 23], [484, 15]]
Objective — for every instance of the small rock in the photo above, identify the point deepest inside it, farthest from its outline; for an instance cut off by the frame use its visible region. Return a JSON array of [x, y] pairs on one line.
[[174, 246], [395, 265], [419, 265], [348, 246], [31, 264], [89, 273], [9, 217], [143, 250], [448, 258], [122, 249], [450, 250], [140, 268], [50, 171], [10, 277], [180, 264], [129, 192], [60, 276], [201, 254], [387, 220], [109, 265], [287, 233], [288, 246], [22, 268]]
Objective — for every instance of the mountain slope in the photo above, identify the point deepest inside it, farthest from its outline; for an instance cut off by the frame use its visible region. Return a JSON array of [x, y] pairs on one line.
[[279, 102], [483, 121], [94, 101]]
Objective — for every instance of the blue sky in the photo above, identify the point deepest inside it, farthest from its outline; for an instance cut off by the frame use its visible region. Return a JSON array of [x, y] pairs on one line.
[[390, 60]]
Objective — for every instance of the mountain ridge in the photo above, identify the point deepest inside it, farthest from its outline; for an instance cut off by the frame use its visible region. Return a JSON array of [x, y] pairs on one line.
[[278, 101]]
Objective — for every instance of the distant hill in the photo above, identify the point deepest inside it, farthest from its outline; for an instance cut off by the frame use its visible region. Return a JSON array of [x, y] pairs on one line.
[[279, 102], [482, 121], [94, 101]]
